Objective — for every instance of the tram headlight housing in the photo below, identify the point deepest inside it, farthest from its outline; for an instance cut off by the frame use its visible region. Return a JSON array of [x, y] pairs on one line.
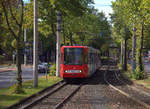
[[73, 71]]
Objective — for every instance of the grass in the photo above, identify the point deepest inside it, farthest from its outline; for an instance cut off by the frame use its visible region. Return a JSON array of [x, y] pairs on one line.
[[7, 98], [104, 57], [145, 82]]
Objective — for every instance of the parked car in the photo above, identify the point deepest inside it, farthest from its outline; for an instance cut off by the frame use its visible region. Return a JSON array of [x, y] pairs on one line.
[[43, 67]]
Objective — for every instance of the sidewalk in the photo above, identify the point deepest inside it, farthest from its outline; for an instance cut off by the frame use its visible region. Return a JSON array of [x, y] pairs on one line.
[[12, 68]]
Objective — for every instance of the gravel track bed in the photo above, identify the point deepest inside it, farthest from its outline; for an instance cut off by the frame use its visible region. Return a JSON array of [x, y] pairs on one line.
[[134, 93], [119, 101], [91, 95], [51, 101], [129, 82], [96, 94]]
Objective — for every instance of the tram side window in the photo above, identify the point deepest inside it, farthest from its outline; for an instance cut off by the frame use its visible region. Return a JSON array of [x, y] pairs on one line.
[[61, 58], [93, 58], [90, 58], [86, 58]]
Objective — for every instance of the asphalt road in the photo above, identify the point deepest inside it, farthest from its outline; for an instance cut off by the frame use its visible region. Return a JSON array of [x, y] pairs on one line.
[[9, 78], [147, 67]]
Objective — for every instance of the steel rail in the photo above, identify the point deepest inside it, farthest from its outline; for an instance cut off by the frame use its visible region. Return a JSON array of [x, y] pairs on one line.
[[21, 102], [42, 97], [67, 98]]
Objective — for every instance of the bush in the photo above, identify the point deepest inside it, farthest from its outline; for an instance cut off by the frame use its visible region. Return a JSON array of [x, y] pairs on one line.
[[1, 58], [52, 70], [120, 66], [138, 75]]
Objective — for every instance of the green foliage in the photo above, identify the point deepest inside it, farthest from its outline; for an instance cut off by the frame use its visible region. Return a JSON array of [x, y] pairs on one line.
[[120, 66], [1, 58], [138, 75], [146, 36], [52, 70], [13, 43], [128, 14]]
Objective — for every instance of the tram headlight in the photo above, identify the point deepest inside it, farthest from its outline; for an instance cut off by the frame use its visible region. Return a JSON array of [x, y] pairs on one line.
[[73, 71], [66, 71]]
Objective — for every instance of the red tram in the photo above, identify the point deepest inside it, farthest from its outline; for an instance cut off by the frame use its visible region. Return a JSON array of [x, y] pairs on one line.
[[79, 61]]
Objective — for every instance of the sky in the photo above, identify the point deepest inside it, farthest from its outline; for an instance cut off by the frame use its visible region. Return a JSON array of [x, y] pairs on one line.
[[101, 5], [104, 5], [26, 1]]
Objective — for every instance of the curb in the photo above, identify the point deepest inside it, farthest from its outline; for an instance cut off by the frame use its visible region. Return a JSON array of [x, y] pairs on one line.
[[6, 71]]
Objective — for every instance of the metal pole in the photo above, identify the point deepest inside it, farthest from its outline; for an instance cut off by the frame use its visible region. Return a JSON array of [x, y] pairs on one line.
[[58, 54], [35, 48], [25, 51]]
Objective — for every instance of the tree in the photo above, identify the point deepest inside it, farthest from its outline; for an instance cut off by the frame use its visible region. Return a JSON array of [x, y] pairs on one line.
[[14, 18], [134, 14], [120, 30]]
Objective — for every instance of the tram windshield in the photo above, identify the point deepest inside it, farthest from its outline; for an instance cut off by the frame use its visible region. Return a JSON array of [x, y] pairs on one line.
[[73, 56]]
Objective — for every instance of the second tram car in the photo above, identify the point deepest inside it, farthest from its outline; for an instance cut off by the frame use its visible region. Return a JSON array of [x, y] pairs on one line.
[[79, 61]]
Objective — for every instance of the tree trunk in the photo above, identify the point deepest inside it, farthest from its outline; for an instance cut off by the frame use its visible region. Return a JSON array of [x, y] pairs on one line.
[[125, 56], [141, 48], [64, 33], [18, 63], [71, 39], [53, 29], [133, 50], [121, 61]]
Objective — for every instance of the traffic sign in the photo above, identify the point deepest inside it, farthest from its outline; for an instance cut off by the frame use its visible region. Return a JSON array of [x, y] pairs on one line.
[[100, 34]]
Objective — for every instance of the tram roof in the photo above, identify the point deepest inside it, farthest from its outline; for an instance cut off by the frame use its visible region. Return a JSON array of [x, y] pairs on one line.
[[75, 47], [80, 47]]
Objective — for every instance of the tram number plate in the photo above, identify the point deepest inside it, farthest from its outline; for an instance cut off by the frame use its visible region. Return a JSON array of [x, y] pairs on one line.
[[75, 71]]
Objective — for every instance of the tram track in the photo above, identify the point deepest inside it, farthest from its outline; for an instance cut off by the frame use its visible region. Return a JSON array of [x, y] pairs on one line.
[[67, 98], [57, 99], [26, 101], [38, 99], [112, 79]]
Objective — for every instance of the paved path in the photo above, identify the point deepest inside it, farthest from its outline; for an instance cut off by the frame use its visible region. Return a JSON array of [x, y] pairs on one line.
[[147, 68]]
